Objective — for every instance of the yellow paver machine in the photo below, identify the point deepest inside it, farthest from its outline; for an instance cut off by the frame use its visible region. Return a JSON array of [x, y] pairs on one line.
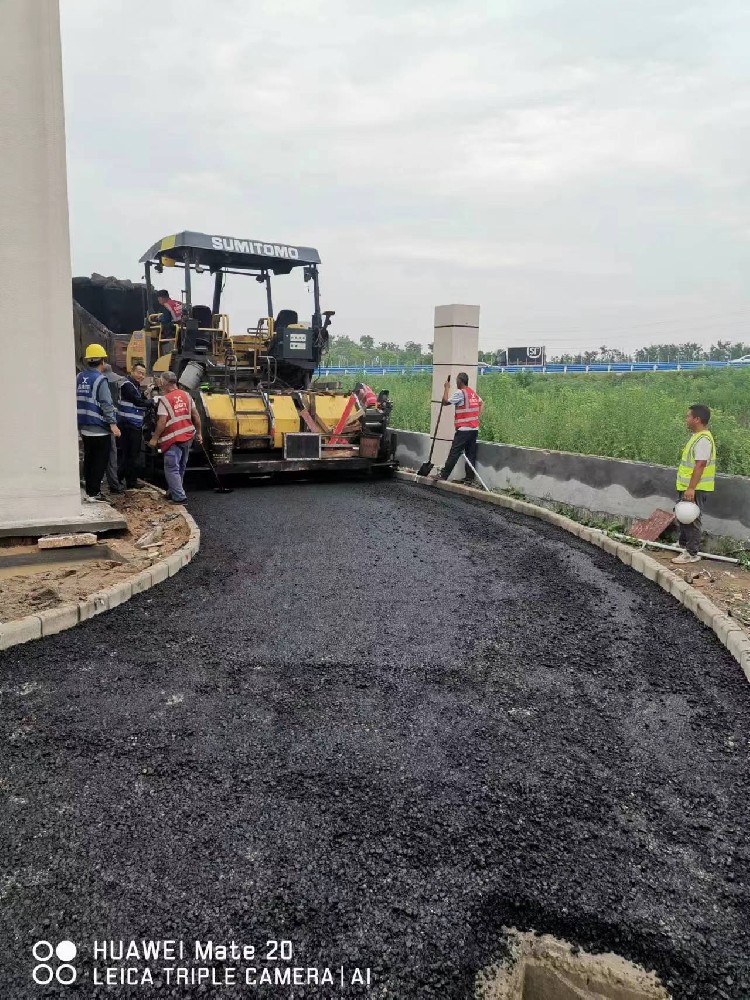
[[261, 409]]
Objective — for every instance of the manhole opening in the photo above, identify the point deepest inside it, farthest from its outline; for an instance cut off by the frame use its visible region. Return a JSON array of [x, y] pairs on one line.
[[545, 968]]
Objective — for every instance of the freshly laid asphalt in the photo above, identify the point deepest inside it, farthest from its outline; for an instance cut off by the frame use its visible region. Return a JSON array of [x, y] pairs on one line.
[[380, 722]]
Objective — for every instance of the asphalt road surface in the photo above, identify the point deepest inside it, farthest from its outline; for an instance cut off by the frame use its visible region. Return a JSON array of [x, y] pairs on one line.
[[378, 722]]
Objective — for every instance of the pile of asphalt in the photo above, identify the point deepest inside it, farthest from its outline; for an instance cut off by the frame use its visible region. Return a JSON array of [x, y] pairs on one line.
[[382, 723]]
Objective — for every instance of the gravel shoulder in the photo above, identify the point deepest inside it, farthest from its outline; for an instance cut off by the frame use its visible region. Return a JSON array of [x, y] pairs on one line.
[[383, 723], [149, 517]]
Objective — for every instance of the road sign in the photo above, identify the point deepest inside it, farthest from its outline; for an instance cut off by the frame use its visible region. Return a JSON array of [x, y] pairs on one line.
[[525, 355]]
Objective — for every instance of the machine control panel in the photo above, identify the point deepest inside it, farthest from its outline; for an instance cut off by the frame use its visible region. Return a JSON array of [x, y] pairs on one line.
[[298, 344]]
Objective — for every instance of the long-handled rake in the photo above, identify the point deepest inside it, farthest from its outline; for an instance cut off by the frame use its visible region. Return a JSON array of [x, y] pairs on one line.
[[220, 487], [486, 487]]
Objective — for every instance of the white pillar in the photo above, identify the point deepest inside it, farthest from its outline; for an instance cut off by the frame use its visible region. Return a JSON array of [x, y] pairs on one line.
[[38, 436], [455, 349]]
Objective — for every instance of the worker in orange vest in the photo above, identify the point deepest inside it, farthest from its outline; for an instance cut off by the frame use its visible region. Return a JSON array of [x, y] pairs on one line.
[[178, 423], [365, 395], [171, 308], [469, 408]]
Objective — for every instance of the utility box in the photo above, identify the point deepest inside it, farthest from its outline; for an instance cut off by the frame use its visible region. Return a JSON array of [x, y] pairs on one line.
[[298, 344]]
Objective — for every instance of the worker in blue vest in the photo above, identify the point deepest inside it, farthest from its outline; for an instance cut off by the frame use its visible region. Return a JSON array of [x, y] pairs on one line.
[[131, 409], [111, 474], [97, 420]]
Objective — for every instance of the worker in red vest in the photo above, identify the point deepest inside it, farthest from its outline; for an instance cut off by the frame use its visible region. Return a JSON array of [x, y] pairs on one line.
[[469, 408], [171, 308], [365, 395], [177, 424]]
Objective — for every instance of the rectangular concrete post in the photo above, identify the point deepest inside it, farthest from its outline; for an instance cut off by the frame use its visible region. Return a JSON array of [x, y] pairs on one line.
[[455, 349], [38, 442]]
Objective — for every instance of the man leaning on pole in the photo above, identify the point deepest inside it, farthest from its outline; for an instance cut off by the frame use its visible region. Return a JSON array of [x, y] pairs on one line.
[[696, 477]]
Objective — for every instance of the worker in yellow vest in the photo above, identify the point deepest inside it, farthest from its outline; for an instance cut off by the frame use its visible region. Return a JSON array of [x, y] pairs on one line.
[[696, 476]]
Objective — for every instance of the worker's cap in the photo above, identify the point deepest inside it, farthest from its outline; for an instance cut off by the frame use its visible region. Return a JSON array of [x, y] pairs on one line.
[[358, 386], [94, 351]]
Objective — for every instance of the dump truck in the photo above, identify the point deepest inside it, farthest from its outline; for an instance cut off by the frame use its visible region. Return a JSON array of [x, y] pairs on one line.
[[106, 310], [261, 409]]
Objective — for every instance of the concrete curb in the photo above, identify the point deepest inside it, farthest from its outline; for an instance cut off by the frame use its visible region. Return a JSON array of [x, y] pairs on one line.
[[67, 615], [727, 630]]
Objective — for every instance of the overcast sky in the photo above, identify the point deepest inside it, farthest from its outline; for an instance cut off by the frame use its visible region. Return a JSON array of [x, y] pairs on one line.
[[579, 169]]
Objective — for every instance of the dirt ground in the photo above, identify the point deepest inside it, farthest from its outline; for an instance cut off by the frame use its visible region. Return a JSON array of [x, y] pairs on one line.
[[543, 966], [728, 586], [147, 512]]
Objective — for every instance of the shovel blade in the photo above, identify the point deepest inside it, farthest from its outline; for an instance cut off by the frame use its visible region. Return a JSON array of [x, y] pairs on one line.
[[425, 469]]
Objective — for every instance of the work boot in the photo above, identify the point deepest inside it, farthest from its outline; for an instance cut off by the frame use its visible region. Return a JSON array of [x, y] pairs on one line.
[[685, 557]]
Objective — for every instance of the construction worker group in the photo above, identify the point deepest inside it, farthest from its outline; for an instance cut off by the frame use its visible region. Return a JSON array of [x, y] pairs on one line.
[[111, 414], [112, 410]]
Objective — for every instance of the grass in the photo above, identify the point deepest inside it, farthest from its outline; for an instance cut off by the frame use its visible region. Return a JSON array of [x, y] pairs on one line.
[[638, 416]]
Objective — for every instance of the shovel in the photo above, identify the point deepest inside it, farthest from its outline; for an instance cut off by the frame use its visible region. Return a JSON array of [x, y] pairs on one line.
[[220, 487], [426, 467]]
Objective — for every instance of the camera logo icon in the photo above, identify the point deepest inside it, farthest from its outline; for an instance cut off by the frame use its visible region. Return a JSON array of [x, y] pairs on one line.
[[45, 972]]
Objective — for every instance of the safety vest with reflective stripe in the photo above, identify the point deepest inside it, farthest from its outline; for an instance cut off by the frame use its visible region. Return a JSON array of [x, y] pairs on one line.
[[687, 464], [467, 412], [179, 423], [370, 399], [90, 413], [128, 414]]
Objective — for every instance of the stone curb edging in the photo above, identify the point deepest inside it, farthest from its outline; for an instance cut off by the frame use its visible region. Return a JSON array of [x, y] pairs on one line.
[[54, 620], [727, 630]]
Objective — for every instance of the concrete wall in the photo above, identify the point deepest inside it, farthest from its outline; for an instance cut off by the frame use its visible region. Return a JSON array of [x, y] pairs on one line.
[[605, 485], [38, 445]]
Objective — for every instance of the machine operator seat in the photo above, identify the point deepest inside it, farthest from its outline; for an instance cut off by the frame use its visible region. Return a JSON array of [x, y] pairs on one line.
[[286, 317], [204, 316], [205, 320]]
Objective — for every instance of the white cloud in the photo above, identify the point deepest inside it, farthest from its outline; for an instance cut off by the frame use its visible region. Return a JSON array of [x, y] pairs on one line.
[[590, 154]]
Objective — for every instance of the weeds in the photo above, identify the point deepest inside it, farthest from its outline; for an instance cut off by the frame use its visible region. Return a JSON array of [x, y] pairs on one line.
[[640, 417], [602, 523]]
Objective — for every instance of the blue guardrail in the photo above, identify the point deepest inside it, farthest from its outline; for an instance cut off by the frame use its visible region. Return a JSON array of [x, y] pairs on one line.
[[636, 366]]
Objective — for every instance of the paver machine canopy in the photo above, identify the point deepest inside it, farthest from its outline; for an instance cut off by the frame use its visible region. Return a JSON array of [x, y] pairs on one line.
[[255, 389]]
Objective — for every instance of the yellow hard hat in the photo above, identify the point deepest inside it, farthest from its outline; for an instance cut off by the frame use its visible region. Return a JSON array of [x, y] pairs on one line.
[[95, 351]]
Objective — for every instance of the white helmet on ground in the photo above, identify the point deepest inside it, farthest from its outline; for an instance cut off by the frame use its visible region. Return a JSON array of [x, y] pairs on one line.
[[686, 511]]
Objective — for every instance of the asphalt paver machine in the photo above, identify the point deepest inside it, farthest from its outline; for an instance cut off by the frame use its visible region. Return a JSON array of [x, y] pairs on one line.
[[262, 411]]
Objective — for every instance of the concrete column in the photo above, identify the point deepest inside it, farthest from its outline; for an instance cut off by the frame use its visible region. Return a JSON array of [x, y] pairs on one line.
[[455, 349], [38, 440]]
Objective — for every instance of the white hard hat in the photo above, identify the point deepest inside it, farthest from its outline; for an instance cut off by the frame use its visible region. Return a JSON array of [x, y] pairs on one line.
[[686, 511]]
